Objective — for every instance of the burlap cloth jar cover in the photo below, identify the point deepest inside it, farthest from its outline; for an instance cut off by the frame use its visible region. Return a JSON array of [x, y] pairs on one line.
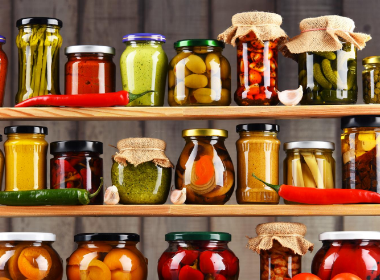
[[289, 235], [139, 150]]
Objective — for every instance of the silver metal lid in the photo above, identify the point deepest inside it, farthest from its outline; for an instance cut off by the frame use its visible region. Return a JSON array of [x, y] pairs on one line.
[[323, 145], [90, 49], [27, 236], [350, 235]]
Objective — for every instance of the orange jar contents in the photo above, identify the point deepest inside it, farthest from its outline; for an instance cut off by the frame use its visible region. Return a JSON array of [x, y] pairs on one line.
[[106, 256], [3, 69], [29, 255]]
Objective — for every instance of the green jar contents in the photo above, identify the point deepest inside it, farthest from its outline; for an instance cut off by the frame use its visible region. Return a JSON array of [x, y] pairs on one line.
[[143, 66], [371, 80], [141, 171]]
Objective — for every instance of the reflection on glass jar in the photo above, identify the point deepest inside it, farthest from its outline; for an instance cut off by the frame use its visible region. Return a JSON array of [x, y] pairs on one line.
[[205, 168]]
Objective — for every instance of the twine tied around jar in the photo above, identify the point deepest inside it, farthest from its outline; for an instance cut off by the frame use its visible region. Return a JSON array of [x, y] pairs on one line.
[[289, 235], [139, 150]]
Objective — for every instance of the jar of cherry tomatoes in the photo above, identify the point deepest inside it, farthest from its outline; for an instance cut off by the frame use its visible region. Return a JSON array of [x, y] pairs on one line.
[[198, 256]]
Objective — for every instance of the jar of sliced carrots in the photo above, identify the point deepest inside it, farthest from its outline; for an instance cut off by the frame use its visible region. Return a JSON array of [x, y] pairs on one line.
[[106, 256], [29, 255]]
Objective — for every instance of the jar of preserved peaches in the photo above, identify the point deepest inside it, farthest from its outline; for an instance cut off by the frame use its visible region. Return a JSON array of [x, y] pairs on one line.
[[199, 74], [29, 255], [106, 256], [3, 69], [205, 168], [198, 256]]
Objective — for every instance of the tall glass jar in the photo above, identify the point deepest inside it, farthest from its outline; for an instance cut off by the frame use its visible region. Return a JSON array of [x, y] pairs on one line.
[[3, 69], [257, 152], [199, 75], [205, 168], [143, 66], [25, 158], [38, 43], [371, 80]]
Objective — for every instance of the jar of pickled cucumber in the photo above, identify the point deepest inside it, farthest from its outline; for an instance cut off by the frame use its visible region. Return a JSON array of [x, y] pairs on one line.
[[371, 80], [199, 75]]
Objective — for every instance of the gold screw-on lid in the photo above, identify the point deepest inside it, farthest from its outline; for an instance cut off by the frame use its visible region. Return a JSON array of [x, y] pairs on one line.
[[371, 59], [205, 132]]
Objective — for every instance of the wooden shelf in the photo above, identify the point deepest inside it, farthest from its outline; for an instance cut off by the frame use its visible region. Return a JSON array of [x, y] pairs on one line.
[[187, 113], [169, 210]]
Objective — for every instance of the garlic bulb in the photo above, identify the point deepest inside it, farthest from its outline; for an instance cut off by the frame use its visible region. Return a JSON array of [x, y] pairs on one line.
[[290, 97], [178, 196], [111, 196]]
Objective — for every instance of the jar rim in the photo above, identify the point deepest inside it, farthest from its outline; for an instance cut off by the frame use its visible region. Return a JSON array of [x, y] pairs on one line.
[[198, 236], [82, 237], [371, 59], [89, 49], [350, 235], [27, 236], [204, 132], [323, 145], [25, 129], [76, 146]]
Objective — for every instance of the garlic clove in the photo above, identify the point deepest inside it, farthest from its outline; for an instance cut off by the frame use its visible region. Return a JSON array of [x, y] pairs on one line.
[[178, 196], [111, 196], [290, 97]]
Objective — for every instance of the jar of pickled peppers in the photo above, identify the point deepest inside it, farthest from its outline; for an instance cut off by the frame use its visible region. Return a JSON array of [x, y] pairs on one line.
[[3, 69]]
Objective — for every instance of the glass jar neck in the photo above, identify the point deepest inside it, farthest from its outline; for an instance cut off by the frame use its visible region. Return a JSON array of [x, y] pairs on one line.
[[358, 129], [198, 245], [208, 139], [144, 43], [1, 46], [268, 134], [325, 151], [30, 27], [204, 49], [90, 56], [14, 136], [77, 154], [371, 66], [118, 244]]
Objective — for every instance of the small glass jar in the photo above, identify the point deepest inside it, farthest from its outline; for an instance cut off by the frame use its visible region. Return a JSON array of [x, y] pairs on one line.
[[329, 77], [356, 252], [29, 255], [257, 152], [3, 69], [205, 168], [90, 69], [25, 158], [143, 67], [107, 256], [199, 74], [198, 256], [77, 164], [38, 43], [371, 80]]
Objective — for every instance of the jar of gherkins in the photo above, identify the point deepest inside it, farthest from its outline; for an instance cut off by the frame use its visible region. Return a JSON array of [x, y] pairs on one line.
[[371, 79]]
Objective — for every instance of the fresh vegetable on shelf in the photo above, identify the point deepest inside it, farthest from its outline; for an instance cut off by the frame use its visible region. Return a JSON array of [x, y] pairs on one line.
[[290, 97], [346, 276], [111, 196], [306, 276]]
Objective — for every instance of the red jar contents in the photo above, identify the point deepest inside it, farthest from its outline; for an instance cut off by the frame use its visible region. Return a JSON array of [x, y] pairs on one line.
[[77, 164], [3, 69], [90, 69], [356, 252], [198, 256]]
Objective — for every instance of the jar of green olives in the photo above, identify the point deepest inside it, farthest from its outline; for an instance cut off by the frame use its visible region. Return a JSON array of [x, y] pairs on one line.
[[371, 80]]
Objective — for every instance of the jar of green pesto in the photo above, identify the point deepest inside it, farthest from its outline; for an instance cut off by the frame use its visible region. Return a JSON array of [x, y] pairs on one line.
[[141, 171]]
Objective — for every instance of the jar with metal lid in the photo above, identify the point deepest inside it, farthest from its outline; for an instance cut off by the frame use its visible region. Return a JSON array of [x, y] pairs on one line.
[[356, 252], [199, 74], [143, 66], [205, 168], [3, 69], [25, 158], [77, 164], [90, 69], [29, 255], [360, 152], [257, 152], [198, 256], [107, 256], [371, 80], [38, 43]]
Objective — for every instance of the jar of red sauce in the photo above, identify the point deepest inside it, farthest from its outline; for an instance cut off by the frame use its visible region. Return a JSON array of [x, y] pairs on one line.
[[356, 252], [90, 69], [3, 69]]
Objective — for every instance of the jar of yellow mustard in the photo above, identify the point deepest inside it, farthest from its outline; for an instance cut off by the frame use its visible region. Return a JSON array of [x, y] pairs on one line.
[[2, 159], [25, 158]]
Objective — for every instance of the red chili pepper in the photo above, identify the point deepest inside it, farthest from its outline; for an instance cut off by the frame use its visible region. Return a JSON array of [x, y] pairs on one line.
[[190, 257], [189, 273], [231, 262], [163, 259], [120, 98], [211, 262], [170, 269], [323, 196], [325, 269]]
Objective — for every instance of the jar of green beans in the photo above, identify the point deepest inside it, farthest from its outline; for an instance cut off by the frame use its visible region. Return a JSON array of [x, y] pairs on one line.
[[38, 45]]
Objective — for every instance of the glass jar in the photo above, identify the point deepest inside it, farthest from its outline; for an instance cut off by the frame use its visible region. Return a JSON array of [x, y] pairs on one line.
[[143, 67], [3, 69], [90, 69], [257, 152], [359, 141], [256, 71], [25, 158], [107, 256], [205, 168], [198, 256], [329, 77], [356, 252], [29, 255], [38, 43], [199, 74], [371, 80], [77, 164]]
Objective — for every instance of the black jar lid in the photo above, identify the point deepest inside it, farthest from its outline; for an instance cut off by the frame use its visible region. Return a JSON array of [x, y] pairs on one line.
[[198, 236], [25, 129], [76, 146], [83, 237], [258, 127], [38, 20], [360, 121]]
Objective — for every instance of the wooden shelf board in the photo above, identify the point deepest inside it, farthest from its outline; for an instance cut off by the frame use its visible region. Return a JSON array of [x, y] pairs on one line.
[[169, 210], [187, 113]]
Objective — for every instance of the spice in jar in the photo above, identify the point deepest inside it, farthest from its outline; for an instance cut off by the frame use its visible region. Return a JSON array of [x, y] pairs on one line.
[[371, 80], [3, 69]]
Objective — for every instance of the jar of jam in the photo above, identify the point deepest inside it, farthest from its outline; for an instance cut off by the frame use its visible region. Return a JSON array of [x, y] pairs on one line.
[[90, 69], [25, 158], [198, 256], [29, 255], [205, 168], [3, 69], [107, 256], [77, 164]]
